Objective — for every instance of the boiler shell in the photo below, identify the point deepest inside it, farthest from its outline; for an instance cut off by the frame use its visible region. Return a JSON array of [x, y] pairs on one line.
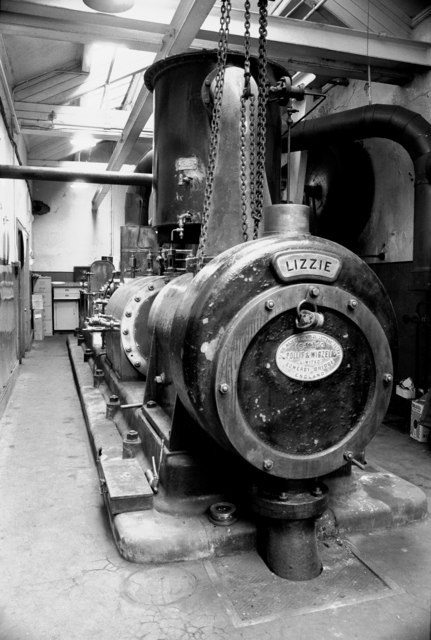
[[182, 126]]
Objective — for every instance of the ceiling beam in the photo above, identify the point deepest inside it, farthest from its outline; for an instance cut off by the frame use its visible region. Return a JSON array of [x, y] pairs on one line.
[[145, 38], [328, 68], [112, 135], [62, 12], [307, 39], [185, 24], [420, 17]]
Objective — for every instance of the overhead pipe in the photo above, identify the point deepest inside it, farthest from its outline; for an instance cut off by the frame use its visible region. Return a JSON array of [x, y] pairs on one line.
[[21, 172], [401, 125]]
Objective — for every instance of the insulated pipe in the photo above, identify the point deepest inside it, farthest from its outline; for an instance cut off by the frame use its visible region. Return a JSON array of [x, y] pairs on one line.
[[401, 125], [20, 172]]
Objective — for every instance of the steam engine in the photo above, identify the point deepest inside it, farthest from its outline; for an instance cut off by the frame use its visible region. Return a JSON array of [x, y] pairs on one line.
[[263, 371]]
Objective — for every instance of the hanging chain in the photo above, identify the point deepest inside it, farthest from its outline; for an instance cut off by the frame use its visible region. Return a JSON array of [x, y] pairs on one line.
[[215, 127], [247, 96], [257, 126], [243, 168], [263, 89], [252, 150]]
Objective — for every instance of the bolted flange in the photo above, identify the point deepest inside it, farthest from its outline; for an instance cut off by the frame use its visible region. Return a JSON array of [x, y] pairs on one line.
[[291, 505]]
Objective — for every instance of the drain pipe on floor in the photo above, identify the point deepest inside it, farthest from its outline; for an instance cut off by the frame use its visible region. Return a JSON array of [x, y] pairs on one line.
[[400, 125]]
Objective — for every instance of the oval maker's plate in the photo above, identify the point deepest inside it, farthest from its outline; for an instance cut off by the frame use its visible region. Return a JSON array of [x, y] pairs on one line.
[[309, 356]]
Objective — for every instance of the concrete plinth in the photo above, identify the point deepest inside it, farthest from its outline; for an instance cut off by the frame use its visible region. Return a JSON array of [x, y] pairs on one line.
[[363, 502]]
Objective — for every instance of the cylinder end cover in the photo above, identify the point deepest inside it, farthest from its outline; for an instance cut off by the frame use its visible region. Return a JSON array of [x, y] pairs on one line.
[[291, 400]]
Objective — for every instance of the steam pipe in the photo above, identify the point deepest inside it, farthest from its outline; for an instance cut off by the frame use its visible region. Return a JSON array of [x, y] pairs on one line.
[[401, 125], [55, 174]]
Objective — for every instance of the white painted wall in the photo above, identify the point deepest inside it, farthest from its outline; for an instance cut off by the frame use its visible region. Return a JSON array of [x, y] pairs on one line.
[[15, 203], [70, 234]]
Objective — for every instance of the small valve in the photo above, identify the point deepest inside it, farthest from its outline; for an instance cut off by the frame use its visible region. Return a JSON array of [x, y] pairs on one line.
[[307, 318]]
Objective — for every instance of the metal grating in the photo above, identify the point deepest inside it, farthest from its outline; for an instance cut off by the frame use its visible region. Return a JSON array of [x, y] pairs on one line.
[[251, 594]]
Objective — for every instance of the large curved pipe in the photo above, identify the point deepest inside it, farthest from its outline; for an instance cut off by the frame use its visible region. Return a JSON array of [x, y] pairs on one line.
[[401, 125], [138, 197]]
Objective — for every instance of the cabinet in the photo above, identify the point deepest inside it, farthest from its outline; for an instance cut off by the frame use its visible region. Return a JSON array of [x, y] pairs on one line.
[[66, 306]]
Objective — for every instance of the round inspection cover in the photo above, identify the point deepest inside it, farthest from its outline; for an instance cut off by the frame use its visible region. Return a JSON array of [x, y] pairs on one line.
[[293, 402], [135, 337]]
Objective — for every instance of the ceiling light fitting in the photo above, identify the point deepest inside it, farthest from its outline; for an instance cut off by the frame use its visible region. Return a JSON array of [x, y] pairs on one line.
[[110, 6]]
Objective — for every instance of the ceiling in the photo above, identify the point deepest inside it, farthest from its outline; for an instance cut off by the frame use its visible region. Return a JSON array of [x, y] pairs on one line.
[[68, 72]]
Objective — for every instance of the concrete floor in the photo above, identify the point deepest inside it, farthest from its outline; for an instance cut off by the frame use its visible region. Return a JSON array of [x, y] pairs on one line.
[[61, 577]]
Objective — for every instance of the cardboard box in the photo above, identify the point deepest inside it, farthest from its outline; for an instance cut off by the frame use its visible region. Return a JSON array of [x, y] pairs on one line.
[[38, 327], [47, 327], [43, 285], [420, 433], [37, 301], [406, 389], [417, 430]]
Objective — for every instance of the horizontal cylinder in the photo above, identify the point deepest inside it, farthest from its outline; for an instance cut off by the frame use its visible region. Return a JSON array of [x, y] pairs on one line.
[[55, 174]]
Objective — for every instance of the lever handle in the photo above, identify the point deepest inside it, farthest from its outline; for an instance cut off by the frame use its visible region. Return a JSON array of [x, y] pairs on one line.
[[348, 455]]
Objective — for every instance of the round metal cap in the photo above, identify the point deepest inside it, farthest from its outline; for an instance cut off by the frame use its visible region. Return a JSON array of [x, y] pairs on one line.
[[222, 513]]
